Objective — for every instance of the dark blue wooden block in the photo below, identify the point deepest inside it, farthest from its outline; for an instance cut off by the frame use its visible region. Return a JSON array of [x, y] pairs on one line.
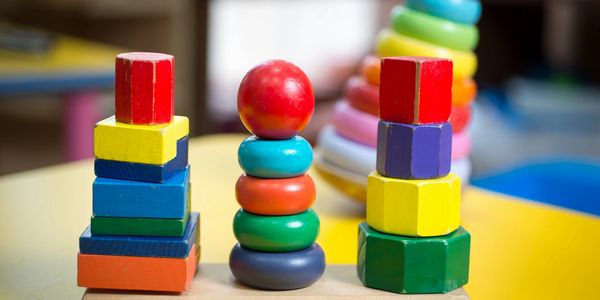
[[277, 271], [413, 151], [152, 246], [134, 199], [144, 172]]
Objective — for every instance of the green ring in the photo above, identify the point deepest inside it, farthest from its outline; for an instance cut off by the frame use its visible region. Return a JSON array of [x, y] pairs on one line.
[[276, 233], [434, 30]]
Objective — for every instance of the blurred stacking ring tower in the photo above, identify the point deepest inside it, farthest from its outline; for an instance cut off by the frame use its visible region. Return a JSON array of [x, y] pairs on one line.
[[142, 235], [412, 241], [431, 28], [276, 228]]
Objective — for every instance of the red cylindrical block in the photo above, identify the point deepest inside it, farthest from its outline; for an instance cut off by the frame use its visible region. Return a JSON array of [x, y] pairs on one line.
[[144, 88]]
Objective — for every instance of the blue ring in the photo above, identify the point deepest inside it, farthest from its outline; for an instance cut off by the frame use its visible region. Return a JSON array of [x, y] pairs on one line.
[[277, 271], [460, 11], [275, 158]]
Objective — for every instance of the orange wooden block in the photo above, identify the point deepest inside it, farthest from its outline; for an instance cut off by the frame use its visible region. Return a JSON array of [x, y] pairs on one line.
[[370, 69], [463, 91], [136, 272]]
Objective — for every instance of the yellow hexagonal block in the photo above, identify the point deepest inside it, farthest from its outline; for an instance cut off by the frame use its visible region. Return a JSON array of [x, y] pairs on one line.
[[427, 207], [146, 144]]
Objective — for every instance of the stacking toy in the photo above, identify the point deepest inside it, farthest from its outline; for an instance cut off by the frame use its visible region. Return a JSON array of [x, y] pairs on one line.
[[412, 242], [276, 229], [143, 234], [444, 29]]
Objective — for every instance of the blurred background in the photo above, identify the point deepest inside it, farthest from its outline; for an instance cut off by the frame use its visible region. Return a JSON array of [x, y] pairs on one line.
[[538, 74]]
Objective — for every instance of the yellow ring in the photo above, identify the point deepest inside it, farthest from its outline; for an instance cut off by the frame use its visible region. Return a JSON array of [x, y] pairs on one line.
[[390, 43]]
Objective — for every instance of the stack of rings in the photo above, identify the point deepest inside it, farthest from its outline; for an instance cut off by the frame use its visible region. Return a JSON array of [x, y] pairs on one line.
[[434, 28]]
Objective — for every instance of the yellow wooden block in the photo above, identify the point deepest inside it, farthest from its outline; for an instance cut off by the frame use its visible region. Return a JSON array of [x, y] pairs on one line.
[[427, 207], [147, 144]]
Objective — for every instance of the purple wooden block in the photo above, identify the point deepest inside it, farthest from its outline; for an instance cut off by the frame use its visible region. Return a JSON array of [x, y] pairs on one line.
[[413, 151]]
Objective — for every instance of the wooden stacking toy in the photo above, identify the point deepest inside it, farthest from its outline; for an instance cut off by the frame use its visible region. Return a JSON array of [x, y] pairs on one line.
[[275, 228], [412, 241], [427, 28], [143, 234]]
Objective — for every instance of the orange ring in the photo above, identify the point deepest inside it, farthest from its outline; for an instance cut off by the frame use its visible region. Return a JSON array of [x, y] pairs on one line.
[[275, 197], [370, 69], [463, 91], [362, 95]]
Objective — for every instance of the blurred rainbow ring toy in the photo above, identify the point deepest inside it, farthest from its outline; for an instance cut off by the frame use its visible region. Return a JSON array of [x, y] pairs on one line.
[[390, 43], [460, 11], [461, 145], [354, 157], [353, 185], [354, 124], [370, 69], [362, 95], [462, 168], [463, 91], [434, 30]]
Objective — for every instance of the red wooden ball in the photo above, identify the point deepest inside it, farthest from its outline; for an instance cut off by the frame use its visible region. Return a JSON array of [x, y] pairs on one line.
[[275, 100]]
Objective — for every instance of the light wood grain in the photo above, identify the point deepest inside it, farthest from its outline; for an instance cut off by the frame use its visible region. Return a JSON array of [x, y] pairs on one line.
[[214, 281]]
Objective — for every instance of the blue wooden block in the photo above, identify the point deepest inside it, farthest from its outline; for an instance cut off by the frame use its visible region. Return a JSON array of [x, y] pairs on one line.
[[151, 246], [277, 271], [134, 199], [144, 172], [413, 151]]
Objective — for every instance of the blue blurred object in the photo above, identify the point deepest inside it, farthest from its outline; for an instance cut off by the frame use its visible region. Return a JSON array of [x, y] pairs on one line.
[[16, 85], [572, 184]]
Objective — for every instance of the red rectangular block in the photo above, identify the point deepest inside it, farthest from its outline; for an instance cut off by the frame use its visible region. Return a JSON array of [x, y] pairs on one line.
[[136, 272], [144, 88], [415, 90]]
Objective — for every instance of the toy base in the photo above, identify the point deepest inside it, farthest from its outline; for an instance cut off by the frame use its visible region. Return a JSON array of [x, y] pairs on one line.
[[214, 281]]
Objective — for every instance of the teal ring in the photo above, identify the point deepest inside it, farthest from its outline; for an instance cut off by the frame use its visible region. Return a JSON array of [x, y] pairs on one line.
[[275, 158], [460, 11]]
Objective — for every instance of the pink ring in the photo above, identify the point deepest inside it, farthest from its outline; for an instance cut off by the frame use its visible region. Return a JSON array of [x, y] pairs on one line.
[[354, 124], [461, 145]]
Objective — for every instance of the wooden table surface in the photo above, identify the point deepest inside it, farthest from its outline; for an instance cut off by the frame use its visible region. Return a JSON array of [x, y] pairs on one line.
[[520, 249]]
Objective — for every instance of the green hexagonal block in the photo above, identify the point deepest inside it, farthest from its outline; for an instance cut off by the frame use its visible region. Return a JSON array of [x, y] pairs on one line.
[[412, 265]]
